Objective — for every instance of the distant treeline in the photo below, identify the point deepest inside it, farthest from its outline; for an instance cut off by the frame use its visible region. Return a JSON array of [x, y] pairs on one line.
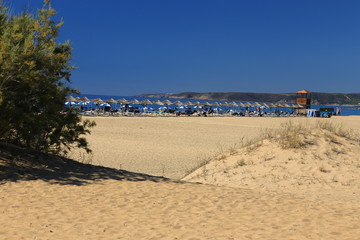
[[317, 98]]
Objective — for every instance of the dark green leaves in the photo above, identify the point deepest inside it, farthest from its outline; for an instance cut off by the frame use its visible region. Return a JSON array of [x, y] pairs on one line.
[[34, 72]]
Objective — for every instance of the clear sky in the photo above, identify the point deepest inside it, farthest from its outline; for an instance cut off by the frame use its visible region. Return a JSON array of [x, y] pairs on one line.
[[129, 47]]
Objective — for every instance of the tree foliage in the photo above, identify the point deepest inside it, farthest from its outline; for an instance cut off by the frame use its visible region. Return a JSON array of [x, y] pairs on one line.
[[35, 75]]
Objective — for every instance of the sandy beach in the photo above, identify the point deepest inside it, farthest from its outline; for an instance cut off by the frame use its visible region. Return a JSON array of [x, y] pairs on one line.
[[79, 201], [171, 146]]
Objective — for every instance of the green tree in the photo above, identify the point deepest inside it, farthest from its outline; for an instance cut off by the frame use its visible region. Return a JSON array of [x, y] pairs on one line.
[[35, 75]]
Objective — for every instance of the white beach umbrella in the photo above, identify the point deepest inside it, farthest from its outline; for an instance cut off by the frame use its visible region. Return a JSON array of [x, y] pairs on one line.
[[70, 103], [215, 104]]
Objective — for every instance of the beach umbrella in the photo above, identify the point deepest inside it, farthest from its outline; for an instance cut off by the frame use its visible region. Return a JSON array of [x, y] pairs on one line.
[[157, 102], [70, 103], [97, 100], [123, 101], [188, 103], [70, 99], [111, 101], [248, 104], [178, 103], [145, 102], [233, 104], [225, 104], [265, 105], [272, 105], [215, 104], [84, 104], [134, 101], [287, 105], [167, 102], [84, 99], [206, 104], [256, 104], [242, 104]]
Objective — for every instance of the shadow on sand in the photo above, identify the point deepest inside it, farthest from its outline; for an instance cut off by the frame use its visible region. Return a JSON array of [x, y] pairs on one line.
[[18, 164]]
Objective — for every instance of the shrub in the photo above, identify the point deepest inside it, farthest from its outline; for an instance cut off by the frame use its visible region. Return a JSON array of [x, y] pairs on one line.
[[35, 75]]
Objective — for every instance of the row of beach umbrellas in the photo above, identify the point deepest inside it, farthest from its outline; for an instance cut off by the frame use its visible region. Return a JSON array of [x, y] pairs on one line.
[[179, 103]]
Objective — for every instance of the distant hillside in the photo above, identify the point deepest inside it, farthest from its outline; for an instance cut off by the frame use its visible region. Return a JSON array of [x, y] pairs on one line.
[[317, 98]]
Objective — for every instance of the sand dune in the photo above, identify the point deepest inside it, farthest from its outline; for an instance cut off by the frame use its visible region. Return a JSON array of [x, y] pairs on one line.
[[57, 198], [170, 146], [318, 164]]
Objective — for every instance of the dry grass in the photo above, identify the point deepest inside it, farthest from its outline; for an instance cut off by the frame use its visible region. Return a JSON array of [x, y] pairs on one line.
[[295, 135], [201, 163], [290, 135], [339, 130], [241, 162]]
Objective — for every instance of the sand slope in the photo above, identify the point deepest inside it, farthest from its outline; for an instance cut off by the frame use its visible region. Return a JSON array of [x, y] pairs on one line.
[[323, 165]]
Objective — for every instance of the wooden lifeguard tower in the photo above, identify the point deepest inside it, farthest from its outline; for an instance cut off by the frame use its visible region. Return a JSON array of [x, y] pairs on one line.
[[303, 98]]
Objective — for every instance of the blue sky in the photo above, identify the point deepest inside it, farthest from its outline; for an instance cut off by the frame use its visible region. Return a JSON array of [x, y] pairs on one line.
[[170, 46]]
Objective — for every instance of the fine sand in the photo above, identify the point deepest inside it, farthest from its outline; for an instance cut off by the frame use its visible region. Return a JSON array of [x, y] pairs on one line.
[[171, 146], [60, 199], [113, 209]]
